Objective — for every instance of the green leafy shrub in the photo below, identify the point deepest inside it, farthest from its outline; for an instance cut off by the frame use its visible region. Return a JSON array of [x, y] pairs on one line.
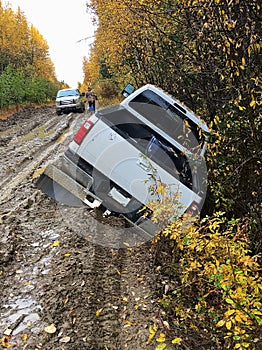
[[17, 88]]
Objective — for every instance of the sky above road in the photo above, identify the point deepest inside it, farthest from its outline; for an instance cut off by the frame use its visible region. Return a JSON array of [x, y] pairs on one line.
[[62, 23]]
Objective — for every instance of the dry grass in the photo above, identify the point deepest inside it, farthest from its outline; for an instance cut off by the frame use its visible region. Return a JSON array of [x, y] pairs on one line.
[[7, 112]]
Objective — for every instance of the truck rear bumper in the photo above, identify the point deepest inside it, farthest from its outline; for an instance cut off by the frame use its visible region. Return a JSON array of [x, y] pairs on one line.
[[72, 186], [76, 186]]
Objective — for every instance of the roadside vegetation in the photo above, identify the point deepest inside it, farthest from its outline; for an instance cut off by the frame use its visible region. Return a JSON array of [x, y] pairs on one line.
[[27, 74], [208, 55]]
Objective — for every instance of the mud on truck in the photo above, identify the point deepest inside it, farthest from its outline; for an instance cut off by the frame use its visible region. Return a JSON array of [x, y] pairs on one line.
[[120, 150]]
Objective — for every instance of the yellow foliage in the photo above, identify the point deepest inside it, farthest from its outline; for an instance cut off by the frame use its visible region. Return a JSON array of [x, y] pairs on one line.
[[228, 325], [152, 331], [23, 46], [161, 338], [216, 251], [177, 340]]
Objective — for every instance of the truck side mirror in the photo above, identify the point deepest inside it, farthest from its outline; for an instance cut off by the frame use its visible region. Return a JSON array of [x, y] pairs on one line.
[[128, 89]]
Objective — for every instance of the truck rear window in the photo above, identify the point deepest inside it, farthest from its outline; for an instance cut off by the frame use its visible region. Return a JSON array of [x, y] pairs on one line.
[[170, 118]]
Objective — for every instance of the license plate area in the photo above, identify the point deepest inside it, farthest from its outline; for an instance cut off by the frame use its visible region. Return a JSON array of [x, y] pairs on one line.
[[119, 197]]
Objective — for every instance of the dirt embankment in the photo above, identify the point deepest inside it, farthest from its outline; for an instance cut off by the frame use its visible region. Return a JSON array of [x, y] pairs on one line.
[[58, 290]]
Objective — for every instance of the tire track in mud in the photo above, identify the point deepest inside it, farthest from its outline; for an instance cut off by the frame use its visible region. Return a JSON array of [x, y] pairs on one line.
[[86, 305], [107, 302], [104, 299], [38, 155], [139, 309]]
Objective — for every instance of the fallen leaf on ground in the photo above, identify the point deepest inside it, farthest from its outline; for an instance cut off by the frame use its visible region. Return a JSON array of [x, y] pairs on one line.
[[50, 329], [128, 323], [98, 312], [177, 340], [65, 340], [38, 172], [152, 331], [25, 337], [8, 331], [161, 346], [55, 244], [6, 342], [161, 338]]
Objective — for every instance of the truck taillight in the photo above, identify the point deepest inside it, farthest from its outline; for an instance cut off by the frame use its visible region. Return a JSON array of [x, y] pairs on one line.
[[78, 138], [193, 209]]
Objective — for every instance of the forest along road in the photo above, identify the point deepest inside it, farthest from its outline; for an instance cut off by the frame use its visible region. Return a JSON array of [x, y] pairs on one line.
[[58, 290]]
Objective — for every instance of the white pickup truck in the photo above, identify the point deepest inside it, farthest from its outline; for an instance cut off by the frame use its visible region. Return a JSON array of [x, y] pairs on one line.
[[120, 150]]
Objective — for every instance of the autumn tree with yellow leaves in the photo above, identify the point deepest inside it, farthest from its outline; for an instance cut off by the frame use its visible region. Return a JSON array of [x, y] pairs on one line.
[[27, 73]]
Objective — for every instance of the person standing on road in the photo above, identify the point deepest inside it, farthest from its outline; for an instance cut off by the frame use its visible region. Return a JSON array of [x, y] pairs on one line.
[[91, 99]]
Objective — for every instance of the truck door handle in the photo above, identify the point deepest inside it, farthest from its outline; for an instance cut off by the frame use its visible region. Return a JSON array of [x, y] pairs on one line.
[[143, 165]]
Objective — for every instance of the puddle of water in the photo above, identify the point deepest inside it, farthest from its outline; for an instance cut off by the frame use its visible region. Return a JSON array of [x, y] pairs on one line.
[[44, 262], [20, 303], [49, 235], [22, 308], [29, 319], [17, 307]]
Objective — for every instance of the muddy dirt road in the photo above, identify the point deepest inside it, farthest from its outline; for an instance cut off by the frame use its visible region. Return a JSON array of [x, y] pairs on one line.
[[58, 290]]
